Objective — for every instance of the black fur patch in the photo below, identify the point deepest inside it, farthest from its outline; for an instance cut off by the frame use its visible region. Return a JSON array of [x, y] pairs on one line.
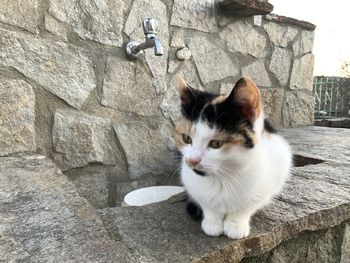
[[199, 99], [199, 172], [194, 210], [226, 115], [268, 127]]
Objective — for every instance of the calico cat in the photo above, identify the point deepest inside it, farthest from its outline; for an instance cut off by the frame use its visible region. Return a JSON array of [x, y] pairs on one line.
[[233, 161]]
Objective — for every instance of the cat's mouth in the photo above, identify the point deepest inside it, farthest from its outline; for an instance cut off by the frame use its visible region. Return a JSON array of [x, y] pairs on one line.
[[201, 173]]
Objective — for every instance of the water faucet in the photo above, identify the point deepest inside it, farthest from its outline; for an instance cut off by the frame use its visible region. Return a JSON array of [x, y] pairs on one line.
[[134, 49]]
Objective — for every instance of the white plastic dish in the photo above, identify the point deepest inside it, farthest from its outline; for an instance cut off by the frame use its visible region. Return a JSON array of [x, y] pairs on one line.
[[149, 195]]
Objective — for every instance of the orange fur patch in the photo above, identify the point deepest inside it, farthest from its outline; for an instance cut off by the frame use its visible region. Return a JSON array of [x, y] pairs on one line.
[[250, 94], [183, 126], [233, 140], [219, 99]]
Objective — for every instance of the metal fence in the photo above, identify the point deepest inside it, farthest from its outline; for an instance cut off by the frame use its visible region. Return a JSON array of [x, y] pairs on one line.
[[332, 96]]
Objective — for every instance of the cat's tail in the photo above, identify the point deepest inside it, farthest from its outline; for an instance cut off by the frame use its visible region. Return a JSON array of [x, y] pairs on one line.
[[194, 210]]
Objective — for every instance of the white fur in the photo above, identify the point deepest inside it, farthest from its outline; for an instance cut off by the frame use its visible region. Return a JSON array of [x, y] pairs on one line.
[[237, 183]]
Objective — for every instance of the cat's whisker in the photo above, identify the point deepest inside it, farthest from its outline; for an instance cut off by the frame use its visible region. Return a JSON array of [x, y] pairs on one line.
[[174, 171], [226, 173]]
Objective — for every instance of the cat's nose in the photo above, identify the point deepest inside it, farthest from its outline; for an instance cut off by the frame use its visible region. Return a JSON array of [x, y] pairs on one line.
[[194, 162]]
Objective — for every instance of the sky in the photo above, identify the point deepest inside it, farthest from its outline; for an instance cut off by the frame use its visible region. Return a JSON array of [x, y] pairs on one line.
[[332, 34]]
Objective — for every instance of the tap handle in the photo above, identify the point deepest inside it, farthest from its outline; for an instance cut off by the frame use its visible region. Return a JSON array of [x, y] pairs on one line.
[[150, 25]]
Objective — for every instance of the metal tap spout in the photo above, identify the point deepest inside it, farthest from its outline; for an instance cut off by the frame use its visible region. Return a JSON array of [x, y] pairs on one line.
[[134, 49]]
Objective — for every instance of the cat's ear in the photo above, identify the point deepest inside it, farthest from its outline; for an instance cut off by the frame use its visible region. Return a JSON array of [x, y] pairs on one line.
[[187, 94], [247, 94]]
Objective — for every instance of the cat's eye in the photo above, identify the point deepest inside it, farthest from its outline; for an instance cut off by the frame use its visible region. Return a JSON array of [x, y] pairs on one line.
[[187, 139], [216, 144]]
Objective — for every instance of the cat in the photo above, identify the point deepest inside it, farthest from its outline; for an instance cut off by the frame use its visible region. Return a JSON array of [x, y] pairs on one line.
[[233, 162]]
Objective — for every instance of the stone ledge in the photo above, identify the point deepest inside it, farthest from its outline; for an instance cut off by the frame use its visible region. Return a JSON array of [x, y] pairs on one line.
[[315, 198], [334, 123], [43, 219], [291, 21], [245, 7]]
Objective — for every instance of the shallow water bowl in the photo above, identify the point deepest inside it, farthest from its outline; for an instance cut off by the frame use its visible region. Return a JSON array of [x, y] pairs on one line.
[[150, 195]]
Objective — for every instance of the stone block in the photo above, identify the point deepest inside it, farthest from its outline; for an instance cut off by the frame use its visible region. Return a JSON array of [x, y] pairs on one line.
[[100, 21], [345, 248], [24, 14], [298, 109], [304, 43], [245, 7], [226, 88], [327, 144], [272, 100], [128, 87], [280, 65], [149, 147], [302, 73], [80, 139], [55, 27], [197, 14], [280, 35], [212, 62], [93, 186], [61, 69], [160, 85], [257, 72], [171, 104], [242, 37], [290, 21], [17, 117], [177, 39], [43, 219], [140, 10]]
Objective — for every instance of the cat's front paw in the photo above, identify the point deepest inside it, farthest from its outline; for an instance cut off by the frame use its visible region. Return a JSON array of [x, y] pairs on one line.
[[212, 227], [236, 230]]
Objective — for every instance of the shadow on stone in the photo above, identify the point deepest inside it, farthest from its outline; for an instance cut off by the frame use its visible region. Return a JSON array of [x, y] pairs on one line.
[[300, 160]]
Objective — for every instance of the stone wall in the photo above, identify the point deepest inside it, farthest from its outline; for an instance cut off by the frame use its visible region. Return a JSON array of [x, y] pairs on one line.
[[68, 91]]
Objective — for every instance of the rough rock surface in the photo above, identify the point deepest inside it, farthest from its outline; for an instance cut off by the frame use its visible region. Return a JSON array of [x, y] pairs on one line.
[[257, 72], [128, 87], [101, 21], [55, 27], [280, 65], [205, 53], [93, 187], [246, 7], [171, 104], [280, 35], [17, 132], [226, 88], [140, 10], [80, 139], [23, 13], [291, 21], [242, 37], [304, 43], [197, 14], [298, 109], [315, 198], [59, 68], [302, 73], [133, 135], [272, 100], [329, 144], [43, 219]]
